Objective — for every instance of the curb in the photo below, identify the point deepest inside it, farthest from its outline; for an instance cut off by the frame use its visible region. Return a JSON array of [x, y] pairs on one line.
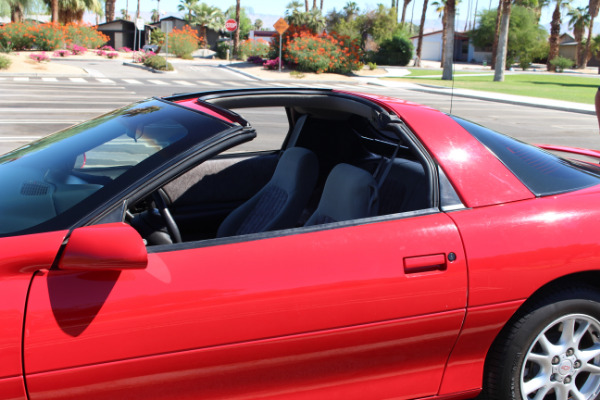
[[574, 109], [156, 71], [237, 71]]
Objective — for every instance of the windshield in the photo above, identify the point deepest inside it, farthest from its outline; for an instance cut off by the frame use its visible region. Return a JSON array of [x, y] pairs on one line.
[[45, 179]]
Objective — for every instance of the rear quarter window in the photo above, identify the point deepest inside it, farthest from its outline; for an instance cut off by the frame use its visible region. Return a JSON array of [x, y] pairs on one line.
[[543, 173]]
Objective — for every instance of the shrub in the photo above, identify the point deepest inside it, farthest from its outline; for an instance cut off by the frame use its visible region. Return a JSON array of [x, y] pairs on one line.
[[5, 47], [395, 51], [182, 42], [4, 62], [255, 48], [112, 55], [84, 36], [107, 48], [158, 62], [372, 66], [222, 48], [141, 57], [61, 53], [101, 52], [46, 37], [323, 53], [17, 34], [157, 37], [126, 49], [255, 60], [561, 63], [76, 50], [271, 64], [39, 57]]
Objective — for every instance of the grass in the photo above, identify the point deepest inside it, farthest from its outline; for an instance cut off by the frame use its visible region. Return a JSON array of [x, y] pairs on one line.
[[577, 89]]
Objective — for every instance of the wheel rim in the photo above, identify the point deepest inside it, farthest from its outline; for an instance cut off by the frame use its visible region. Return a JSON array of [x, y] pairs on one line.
[[563, 363]]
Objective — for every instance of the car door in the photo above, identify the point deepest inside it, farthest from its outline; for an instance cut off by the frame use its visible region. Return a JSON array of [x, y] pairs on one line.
[[352, 310]]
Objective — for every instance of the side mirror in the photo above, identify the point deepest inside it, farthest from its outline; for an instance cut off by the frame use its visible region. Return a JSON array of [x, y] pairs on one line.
[[115, 246]]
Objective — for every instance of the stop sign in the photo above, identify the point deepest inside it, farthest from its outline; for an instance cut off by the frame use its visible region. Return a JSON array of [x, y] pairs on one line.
[[230, 25]]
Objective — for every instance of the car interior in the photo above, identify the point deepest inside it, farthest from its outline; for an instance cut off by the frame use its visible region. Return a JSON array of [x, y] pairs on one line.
[[341, 160]]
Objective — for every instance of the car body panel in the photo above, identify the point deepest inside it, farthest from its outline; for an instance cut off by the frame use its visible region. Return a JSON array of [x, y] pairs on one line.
[[556, 235], [21, 257], [465, 365], [260, 292], [479, 179]]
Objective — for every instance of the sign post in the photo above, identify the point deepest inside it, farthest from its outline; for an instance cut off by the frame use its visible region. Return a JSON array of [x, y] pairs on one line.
[[139, 24], [231, 26], [280, 26]]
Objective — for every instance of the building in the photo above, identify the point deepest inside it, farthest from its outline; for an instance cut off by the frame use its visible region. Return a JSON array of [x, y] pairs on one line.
[[123, 33], [464, 51]]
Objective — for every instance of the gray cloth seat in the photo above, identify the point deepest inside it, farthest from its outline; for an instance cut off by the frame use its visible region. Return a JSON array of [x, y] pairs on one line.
[[349, 193], [279, 204]]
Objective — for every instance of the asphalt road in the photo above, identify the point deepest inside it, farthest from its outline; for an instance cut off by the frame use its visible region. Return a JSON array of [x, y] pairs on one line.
[[33, 107]]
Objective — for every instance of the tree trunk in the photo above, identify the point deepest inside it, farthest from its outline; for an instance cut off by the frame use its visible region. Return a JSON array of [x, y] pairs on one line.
[[306, 5], [588, 44], [502, 43], [321, 6], [404, 7], [420, 41], [236, 36], [593, 10], [109, 10], [444, 36], [314, 4], [448, 55], [16, 13], [554, 38], [54, 11], [496, 33]]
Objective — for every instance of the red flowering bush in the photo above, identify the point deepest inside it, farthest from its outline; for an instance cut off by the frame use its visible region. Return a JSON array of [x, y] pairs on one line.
[[17, 34], [51, 36], [84, 35], [184, 41], [323, 53]]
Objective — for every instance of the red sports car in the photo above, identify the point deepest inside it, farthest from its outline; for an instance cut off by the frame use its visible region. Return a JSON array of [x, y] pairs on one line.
[[363, 248]]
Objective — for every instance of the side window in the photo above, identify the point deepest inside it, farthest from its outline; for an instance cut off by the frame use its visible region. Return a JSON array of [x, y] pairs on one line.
[[271, 125]]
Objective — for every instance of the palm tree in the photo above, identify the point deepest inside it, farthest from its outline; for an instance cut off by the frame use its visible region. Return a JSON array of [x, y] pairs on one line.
[[125, 14], [593, 8], [155, 16], [554, 38], [16, 9], [448, 54], [579, 21], [351, 10], [187, 5], [72, 10], [306, 5], [502, 42], [420, 41], [258, 24], [207, 17], [292, 6], [440, 9]]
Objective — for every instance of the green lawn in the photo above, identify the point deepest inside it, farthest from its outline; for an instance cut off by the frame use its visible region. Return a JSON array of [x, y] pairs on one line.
[[579, 89]]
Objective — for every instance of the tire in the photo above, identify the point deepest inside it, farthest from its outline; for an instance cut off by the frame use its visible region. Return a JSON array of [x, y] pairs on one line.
[[549, 351]]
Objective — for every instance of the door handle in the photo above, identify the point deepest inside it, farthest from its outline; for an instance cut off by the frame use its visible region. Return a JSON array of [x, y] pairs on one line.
[[428, 263]]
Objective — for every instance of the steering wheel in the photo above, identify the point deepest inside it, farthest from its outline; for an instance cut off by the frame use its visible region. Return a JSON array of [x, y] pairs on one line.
[[160, 199]]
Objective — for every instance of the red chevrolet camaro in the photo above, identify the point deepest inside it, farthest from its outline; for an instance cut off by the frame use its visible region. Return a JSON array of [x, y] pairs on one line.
[[339, 246]]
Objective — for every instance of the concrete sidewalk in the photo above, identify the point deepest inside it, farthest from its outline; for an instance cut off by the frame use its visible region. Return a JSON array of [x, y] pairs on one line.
[[399, 72]]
